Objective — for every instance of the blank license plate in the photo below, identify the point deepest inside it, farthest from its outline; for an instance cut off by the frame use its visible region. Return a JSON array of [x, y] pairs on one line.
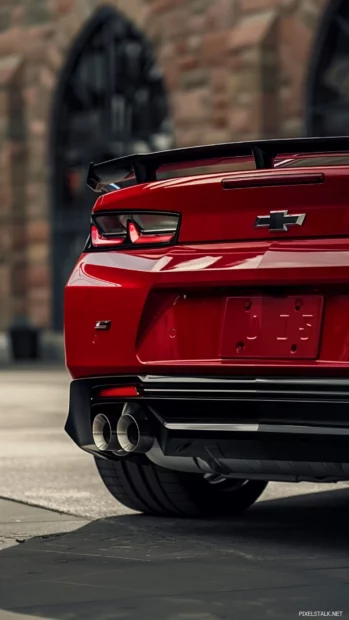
[[272, 327]]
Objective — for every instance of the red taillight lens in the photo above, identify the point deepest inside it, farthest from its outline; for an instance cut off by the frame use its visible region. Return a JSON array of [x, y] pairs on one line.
[[129, 229], [99, 240]]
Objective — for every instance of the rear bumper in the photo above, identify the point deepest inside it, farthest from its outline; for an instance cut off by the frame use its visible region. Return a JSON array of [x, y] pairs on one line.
[[173, 310], [255, 418]]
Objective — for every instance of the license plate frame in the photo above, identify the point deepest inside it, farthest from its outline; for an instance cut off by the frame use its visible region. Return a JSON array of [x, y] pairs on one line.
[[272, 327]]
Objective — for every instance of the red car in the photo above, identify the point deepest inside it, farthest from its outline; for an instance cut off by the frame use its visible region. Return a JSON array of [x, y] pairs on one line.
[[207, 324]]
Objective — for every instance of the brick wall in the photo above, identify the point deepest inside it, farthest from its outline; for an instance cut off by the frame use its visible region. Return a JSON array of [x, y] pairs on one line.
[[234, 69]]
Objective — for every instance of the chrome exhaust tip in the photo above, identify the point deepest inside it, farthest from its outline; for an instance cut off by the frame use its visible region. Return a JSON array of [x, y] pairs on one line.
[[134, 431], [104, 433]]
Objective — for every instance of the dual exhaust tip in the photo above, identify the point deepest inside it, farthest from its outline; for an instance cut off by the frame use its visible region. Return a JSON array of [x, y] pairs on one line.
[[123, 434]]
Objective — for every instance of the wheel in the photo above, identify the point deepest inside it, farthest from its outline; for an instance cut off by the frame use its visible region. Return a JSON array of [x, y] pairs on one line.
[[141, 485]]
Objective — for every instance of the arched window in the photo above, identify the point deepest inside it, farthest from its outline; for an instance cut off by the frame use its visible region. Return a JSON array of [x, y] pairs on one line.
[[328, 83], [110, 101]]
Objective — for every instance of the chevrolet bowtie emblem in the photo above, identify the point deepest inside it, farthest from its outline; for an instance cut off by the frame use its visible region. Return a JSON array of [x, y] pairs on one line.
[[278, 221]]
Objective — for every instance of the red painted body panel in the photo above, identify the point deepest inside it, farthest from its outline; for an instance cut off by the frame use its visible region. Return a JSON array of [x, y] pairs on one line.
[[139, 291]]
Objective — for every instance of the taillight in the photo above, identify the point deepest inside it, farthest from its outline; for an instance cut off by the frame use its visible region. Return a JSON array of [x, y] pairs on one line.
[[117, 392], [130, 229]]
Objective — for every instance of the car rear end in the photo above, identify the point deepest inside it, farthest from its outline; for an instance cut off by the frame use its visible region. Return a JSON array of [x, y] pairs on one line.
[[207, 320]]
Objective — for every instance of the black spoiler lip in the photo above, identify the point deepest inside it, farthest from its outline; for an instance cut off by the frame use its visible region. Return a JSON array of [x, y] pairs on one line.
[[145, 165]]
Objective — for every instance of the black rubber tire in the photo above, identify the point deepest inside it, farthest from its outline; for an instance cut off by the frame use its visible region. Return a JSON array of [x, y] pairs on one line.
[[145, 487]]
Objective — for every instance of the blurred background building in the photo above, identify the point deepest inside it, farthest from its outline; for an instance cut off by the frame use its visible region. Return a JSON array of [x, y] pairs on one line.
[[83, 80]]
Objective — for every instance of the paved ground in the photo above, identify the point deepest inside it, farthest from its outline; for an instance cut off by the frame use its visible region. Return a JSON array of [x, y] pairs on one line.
[[39, 464], [288, 554], [20, 522]]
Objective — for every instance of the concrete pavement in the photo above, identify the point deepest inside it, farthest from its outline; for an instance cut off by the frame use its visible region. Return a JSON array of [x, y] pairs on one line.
[[20, 522], [288, 554], [285, 556], [39, 464]]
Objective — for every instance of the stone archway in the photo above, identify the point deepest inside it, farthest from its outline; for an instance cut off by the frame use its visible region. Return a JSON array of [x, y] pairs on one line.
[[327, 106], [110, 101]]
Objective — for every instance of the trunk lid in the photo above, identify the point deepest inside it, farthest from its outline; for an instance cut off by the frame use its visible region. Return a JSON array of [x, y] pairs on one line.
[[255, 205], [267, 205]]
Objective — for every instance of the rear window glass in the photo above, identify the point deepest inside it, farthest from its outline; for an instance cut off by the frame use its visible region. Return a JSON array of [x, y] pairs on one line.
[[233, 164], [321, 160]]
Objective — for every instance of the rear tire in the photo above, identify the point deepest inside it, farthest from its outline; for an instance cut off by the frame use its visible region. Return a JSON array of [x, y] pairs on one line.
[[145, 487]]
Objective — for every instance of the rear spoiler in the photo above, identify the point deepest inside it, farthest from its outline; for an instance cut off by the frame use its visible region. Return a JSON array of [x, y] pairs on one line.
[[143, 167]]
